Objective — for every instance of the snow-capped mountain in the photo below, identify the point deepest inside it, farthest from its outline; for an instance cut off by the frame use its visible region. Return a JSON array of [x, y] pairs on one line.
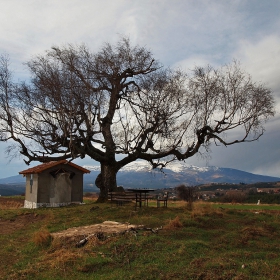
[[137, 166], [143, 166], [140, 174]]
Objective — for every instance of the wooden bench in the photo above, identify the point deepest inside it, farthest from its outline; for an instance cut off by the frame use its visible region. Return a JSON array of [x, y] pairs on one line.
[[163, 199], [120, 198]]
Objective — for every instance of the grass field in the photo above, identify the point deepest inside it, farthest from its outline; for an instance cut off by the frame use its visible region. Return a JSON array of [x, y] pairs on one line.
[[206, 241]]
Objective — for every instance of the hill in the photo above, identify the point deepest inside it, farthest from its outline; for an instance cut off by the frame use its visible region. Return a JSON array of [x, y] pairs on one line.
[[12, 189]]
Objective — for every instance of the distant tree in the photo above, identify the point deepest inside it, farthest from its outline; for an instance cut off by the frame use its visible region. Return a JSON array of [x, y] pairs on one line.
[[234, 197], [119, 104], [186, 193]]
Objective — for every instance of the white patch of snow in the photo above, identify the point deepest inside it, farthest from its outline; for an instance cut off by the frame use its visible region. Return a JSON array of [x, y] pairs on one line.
[[137, 166], [176, 166], [92, 168]]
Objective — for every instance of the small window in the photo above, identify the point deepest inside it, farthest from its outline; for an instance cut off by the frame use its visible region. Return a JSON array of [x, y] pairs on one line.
[[31, 182]]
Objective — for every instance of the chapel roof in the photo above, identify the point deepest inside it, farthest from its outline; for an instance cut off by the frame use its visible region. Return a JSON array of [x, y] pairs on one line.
[[44, 166]]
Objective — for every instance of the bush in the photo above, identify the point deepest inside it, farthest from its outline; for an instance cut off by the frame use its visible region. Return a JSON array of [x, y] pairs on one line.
[[186, 193], [173, 224], [42, 238]]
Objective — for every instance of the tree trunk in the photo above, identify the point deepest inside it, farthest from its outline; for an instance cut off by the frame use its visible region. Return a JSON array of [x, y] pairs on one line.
[[106, 181]]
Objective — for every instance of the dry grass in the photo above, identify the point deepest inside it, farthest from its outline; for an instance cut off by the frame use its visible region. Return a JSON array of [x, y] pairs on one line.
[[61, 258], [254, 231], [42, 238], [90, 196], [60, 261], [177, 203], [174, 224], [65, 242], [202, 208], [10, 204], [250, 233]]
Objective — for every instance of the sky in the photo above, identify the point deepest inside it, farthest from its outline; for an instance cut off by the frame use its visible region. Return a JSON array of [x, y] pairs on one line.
[[180, 33]]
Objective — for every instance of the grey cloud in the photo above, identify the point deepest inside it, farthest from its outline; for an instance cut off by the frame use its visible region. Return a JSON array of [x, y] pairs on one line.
[[180, 33]]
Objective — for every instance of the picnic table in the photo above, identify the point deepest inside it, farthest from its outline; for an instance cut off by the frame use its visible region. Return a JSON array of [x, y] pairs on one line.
[[141, 195]]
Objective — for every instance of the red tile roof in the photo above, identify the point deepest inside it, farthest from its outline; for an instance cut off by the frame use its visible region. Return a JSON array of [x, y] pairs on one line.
[[41, 167]]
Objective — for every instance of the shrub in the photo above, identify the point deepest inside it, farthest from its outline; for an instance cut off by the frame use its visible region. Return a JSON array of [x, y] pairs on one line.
[[173, 224], [42, 238]]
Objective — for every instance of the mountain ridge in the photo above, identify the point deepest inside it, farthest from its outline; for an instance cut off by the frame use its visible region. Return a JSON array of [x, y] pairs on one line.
[[140, 174]]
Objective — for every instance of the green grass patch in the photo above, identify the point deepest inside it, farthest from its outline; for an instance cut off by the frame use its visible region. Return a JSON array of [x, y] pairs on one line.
[[251, 207], [213, 241]]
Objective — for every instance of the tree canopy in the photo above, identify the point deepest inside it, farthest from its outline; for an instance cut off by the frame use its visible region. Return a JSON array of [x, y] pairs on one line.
[[121, 101]]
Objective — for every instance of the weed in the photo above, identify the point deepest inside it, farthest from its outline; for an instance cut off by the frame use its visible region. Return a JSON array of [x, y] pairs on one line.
[[93, 264], [174, 224], [42, 238], [10, 204]]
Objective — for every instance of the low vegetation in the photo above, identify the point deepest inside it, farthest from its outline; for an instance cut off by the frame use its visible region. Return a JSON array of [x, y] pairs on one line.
[[208, 241], [266, 193]]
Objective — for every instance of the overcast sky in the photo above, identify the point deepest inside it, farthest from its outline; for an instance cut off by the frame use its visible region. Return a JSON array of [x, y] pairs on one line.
[[180, 33]]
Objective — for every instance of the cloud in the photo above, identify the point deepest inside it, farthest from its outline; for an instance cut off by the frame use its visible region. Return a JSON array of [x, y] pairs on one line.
[[259, 157], [262, 60], [33, 26], [180, 33], [190, 63]]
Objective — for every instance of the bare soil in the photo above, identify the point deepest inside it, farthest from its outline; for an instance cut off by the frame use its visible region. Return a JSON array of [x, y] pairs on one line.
[[10, 203], [91, 234], [19, 222], [11, 225], [108, 227]]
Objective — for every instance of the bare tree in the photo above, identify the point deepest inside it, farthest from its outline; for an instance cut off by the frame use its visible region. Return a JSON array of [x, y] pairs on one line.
[[121, 101], [186, 193]]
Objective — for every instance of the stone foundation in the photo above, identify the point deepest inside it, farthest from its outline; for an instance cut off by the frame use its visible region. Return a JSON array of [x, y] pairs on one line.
[[33, 205]]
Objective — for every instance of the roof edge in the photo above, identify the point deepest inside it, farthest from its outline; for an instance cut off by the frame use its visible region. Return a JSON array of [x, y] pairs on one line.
[[44, 166]]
